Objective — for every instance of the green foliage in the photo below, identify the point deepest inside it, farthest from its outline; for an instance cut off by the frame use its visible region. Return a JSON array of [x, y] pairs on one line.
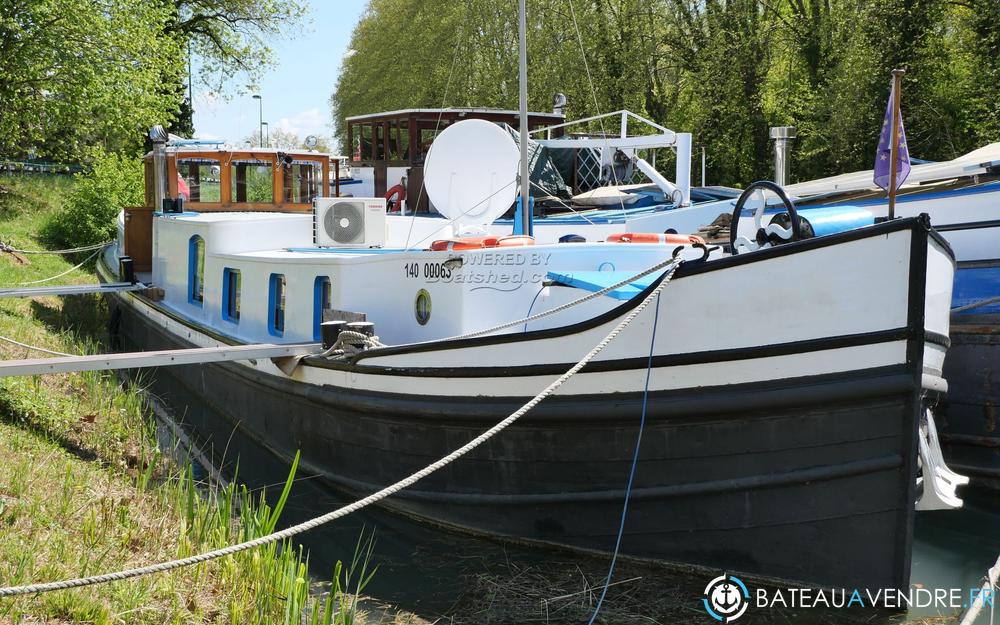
[[724, 70], [86, 487], [92, 208], [79, 72], [231, 37]]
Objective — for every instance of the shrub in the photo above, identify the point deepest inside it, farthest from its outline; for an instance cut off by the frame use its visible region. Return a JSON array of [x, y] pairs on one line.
[[89, 217]]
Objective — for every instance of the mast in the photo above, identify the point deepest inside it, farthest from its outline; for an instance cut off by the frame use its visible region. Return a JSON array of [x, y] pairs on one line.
[[523, 83], [897, 85]]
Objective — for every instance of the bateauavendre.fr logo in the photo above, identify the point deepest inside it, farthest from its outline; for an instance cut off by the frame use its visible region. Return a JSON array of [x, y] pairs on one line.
[[727, 598]]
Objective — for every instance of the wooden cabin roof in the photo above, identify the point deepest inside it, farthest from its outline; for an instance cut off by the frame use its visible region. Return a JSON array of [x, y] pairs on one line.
[[452, 113]]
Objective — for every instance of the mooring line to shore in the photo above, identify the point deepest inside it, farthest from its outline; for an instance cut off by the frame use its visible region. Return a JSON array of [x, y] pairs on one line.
[[70, 270], [34, 347], [980, 304], [987, 593], [4, 247], [370, 499], [632, 470]]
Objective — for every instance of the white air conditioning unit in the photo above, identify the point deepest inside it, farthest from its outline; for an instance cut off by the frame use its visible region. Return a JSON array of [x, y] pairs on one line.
[[349, 222]]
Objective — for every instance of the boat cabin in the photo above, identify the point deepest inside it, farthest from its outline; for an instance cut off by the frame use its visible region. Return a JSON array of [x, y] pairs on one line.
[[388, 149], [258, 179], [203, 179]]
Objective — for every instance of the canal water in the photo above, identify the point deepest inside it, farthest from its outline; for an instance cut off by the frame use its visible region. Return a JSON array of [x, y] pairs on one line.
[[455, 578]]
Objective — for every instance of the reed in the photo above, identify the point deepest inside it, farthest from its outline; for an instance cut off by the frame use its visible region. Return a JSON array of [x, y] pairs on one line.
[[84, 488]]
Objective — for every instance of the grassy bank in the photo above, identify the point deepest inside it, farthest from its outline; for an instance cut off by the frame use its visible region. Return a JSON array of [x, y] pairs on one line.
[[84, 489]]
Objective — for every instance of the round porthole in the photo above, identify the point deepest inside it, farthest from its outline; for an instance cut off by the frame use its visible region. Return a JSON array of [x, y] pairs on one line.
[[422, 307]]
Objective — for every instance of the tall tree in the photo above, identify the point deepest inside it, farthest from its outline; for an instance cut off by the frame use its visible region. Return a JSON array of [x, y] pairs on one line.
[[232, 38], [79, 72], [724, 70]]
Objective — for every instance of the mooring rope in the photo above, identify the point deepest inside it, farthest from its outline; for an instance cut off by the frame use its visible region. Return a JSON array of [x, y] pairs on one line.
[[70, 270], [987, 594], [586, 298], [4, 247], [33, 347], [979, 304], [348, 342], [361, 503], [632, 469]]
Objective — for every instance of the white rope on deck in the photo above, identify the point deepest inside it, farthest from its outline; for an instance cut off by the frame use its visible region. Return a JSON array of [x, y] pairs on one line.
[[361, 503], [349, 343]]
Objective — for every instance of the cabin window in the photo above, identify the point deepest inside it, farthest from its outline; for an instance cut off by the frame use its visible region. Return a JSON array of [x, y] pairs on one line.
[[422, 307], [301, 181], [199, 179], [365, 141], [196, 270], [252, 181], [276, 305], [403, 140], [231, 283], [379, 140], [322, 301], [427, 136]]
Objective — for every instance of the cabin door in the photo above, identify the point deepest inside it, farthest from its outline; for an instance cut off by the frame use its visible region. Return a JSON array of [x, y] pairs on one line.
[[139, 237]]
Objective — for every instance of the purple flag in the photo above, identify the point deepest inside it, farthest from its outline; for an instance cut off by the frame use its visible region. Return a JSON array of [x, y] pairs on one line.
[[883, 156]]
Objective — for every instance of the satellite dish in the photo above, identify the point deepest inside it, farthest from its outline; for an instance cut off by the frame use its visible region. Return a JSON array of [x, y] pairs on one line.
[[311, 142], [471, 173]]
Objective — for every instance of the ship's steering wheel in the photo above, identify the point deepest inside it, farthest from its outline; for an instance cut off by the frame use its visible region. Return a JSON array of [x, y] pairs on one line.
[[765, 236]]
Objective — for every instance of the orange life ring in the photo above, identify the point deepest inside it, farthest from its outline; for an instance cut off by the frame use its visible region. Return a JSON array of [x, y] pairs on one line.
[[515, 240], [463, 243], [396, 204], [654, 237], [478, 243]]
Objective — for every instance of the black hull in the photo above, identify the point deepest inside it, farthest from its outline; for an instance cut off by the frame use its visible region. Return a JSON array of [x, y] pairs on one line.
[[968, 422], [809, 480]]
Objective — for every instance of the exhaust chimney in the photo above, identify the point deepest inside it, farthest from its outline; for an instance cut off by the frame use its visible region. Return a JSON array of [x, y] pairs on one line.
[[782, 136], [559, 104], [158, 136]]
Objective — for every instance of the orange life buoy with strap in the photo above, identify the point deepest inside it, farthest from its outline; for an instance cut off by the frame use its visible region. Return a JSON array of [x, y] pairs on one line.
[[394, 198], [515, 240], [478, 243], [654, 237], [463, 243]]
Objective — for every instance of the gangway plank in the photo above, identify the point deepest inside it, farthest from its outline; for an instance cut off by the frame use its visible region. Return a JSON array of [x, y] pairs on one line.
[[165, 358]]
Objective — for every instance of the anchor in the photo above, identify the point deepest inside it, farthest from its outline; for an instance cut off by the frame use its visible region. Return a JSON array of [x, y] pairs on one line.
[[725, 591]]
